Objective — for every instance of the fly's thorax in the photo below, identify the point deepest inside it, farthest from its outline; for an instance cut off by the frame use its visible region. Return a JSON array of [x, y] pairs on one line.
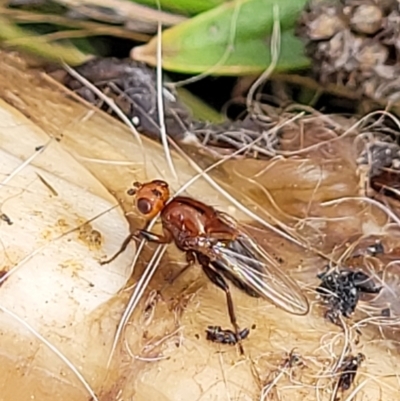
[[183, 218]]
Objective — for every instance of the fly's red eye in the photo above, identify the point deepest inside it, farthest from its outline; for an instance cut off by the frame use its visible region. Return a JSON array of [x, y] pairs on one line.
[[144, 206]]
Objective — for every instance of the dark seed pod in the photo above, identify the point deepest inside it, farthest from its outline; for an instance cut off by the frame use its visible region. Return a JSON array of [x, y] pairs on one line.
[[325, 26], [371, 54], [322, 21], [356, 44], [367, 19]]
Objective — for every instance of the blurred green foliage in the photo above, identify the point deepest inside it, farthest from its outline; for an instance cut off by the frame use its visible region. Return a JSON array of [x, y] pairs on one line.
[[184, 7], [232, 39]]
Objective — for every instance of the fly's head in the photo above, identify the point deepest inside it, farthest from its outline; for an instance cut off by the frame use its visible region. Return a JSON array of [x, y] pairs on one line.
[[150, 197]]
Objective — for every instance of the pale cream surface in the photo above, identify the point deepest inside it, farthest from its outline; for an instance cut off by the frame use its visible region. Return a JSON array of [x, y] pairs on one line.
[[75, 303]]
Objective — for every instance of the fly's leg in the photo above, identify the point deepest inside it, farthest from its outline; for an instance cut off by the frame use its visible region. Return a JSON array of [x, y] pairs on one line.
[[152, 237], [190, 259], [219, 281], [166, 239], [124, 245], [147, 235]]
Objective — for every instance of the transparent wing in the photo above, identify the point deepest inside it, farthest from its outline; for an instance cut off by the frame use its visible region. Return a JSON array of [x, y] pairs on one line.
[[249, 264]]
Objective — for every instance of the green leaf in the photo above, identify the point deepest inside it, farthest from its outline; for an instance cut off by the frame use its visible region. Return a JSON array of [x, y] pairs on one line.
[[187, 7], [232, 39], [12, 36]]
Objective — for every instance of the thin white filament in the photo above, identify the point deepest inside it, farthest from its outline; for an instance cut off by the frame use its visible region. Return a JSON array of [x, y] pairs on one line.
[[54, 349]]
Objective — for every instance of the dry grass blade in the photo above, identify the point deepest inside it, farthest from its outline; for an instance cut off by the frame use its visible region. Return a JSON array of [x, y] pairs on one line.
[[221, 161], [90, 28], [160, 104], [275, 49], [137, 294], [130, 11], [351, 130], [26, 163], [110, 102], [373, 202], [12, 36], [353, 394]]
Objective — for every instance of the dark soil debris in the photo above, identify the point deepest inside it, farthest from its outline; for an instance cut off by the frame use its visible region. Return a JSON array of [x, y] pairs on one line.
[[218, 335], [348, 370], [341, 290], [132, 85]]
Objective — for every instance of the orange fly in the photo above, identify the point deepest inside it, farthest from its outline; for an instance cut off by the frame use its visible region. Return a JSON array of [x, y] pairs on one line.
[[222, 248]]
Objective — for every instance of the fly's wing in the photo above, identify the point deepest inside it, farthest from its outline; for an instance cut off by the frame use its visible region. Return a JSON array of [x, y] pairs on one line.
[[248, 263]]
